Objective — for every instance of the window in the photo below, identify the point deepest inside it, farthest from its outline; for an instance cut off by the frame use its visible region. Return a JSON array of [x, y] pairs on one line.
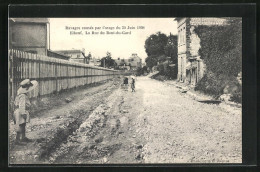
[[78, 55]]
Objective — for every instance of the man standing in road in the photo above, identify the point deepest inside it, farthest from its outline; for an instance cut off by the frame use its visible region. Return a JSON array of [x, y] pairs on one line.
[[125, 83], [133, 84]]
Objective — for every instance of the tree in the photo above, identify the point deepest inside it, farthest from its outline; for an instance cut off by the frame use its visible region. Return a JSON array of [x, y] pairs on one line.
[[158, 47], [171, 48], [139, 71], [151, 61], [145, 68], [108, 61], [87, 58], [154, 44]]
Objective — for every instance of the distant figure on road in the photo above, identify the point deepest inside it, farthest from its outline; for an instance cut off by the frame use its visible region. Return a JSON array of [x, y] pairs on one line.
[[21, 113], [133, 85], [125, 82], [134, 76]]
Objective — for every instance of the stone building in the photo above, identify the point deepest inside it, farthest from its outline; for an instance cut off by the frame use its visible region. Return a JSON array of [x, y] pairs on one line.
[[132, 63], [123, 64], [190, 66], [135, 61]]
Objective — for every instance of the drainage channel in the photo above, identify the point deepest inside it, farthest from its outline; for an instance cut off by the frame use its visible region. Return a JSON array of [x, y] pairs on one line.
[[80, 143], [63, 133]]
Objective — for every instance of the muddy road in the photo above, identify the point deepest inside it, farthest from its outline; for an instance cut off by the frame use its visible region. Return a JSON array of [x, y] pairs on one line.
[[155, 124]]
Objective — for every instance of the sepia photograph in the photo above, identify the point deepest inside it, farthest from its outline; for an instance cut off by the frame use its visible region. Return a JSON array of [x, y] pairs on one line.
[[162, 90]]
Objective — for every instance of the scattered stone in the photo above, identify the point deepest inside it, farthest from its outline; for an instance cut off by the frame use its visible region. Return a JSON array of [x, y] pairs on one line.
[[99, 140], [139, 146], [225, 97], [125, 111], [88, 125], [139, 156], [92, 146], [57, 117], [184, 91], [105, 160], [82, 129], [67, 100], [45, 101]]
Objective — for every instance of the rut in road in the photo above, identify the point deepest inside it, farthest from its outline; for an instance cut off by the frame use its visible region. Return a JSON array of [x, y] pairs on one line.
[[82, 143], [80, 114]]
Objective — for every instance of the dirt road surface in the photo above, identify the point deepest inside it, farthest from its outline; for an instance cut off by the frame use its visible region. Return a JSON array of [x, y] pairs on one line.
[[155, 124]]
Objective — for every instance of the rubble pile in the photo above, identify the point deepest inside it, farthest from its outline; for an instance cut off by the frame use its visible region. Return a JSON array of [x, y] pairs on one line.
[[82, 136]]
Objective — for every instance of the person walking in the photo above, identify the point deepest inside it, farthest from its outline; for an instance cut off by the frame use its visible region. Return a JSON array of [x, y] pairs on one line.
[[21, 113], [133, 85], [126, 83]]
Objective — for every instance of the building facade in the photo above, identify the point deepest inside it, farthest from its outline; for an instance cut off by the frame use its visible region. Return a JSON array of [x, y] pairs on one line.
[[75, 55], [190, 66], [132, 63], [94, 61], [29, 35], [135, 61]]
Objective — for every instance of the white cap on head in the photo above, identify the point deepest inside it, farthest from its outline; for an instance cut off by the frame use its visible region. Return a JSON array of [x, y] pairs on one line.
[[25, 82], [32, 85]]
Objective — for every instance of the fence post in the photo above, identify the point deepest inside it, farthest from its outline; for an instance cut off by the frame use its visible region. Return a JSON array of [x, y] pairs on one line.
[[11, 82], [39, 86], [56, 72], [67, 76]]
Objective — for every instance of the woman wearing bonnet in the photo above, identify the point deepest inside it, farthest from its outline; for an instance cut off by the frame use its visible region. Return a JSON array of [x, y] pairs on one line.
[[21, 113]]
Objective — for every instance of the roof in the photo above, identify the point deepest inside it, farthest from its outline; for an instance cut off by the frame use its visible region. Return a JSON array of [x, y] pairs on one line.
[[178, 18], [59, 54], [68, 51], [134, 55], [30, 20]]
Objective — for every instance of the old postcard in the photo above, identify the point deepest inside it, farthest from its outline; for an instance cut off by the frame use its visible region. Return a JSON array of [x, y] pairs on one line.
[[125, 90]]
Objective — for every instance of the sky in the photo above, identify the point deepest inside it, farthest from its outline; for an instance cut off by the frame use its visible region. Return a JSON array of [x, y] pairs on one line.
[[120, 45]]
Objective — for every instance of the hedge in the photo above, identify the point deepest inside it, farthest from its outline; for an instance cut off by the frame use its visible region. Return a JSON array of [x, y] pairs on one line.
[[221, 51]]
